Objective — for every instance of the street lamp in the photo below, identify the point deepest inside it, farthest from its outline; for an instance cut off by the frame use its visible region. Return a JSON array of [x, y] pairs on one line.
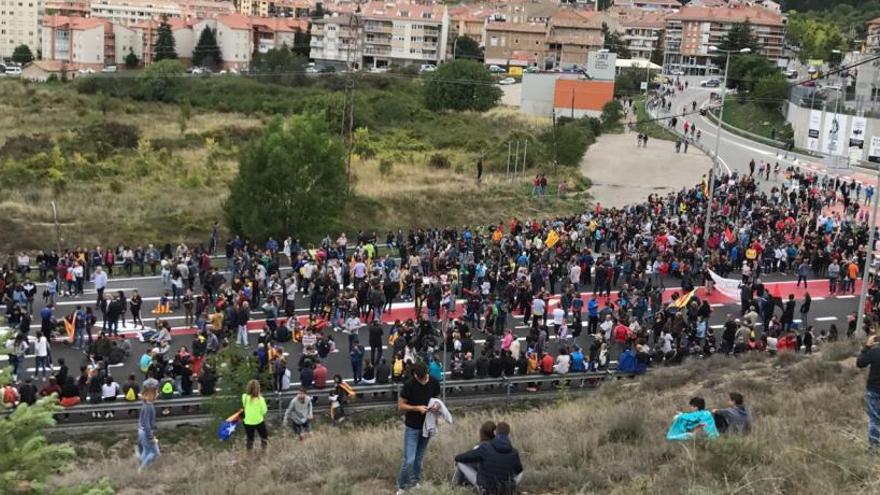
[[715, 160]]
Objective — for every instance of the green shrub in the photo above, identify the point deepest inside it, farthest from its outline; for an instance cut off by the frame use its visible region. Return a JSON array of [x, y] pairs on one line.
[[439, 161], [385, 167]]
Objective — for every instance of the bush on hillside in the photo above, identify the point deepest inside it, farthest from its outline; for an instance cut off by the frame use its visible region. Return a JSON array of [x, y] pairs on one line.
[[439, 161], [461, 85]]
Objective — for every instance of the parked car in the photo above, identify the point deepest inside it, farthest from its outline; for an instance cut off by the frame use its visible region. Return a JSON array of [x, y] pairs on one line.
[[507, 81], [379, 70], [532, 69], [710, 83], [427, 68], [86, 71], [327, 69], [109, 69], [677, 73], [791, 74], [496, 69], [10, 70]]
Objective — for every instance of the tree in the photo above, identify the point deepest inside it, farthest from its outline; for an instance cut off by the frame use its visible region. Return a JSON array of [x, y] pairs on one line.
[[26, 456], [604, 4], [657, 52], [461, 85], [158, 81], [291, 180], [614, 42], [302, 41], [770, 91], [568, 141], [164, 49], [318, 11], [207, 51], [184, 116], [131, 60], [22, 55], [746, 70], [285, 65], [738, 37], [612, 113], [467, 48]]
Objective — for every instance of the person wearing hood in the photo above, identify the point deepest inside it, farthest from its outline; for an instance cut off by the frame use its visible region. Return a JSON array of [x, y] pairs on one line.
[[498, 466]]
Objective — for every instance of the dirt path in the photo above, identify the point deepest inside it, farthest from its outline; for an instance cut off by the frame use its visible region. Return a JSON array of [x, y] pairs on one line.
[[623, 173]]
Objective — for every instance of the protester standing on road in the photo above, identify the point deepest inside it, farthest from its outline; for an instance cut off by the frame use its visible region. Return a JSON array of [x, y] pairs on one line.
[[148, 445], [255, 410], [413, 400]]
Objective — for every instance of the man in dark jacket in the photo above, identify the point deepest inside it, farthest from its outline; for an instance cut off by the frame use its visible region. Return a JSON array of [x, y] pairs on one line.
[[376, 334], [494, 467]]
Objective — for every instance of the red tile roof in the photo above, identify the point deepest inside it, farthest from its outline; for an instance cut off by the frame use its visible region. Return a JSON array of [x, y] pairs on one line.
[[75, 23], [516, 27], [755, 15]]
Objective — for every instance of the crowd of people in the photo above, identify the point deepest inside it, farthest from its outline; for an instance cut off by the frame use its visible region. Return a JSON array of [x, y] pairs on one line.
[[557, 274]]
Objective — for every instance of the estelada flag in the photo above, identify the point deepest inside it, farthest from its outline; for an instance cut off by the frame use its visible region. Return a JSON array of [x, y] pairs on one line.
[[552, 238], [728, 234], [70, 325], [684, 300]]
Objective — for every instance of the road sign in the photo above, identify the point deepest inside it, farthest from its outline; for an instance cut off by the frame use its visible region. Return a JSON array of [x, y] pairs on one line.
[[643, 86]]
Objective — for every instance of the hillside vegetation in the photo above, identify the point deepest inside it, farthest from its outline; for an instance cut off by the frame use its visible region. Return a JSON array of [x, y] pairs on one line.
[[808, 438], [143, 159]]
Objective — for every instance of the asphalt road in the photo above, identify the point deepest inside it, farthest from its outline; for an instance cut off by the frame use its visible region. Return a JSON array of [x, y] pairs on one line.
[[826, 310]]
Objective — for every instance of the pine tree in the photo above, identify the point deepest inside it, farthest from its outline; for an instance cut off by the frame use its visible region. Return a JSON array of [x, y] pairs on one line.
[[25, 453], [207, 51], [131, 60], [164, 48]]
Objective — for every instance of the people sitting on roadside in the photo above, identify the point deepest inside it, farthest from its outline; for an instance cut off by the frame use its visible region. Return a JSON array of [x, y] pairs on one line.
[[736, 418], [494, 466], [694, 423]]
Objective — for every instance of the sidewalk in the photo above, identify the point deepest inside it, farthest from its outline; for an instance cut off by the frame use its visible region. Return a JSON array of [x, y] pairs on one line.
[[623, 173]]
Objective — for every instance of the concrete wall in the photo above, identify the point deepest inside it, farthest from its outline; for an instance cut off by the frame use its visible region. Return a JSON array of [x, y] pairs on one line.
[[88, 46], [799, 118], [537, 94]]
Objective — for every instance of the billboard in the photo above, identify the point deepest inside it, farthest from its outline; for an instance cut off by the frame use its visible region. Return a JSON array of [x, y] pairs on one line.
[[814, 130], [602, 65], [857, 139], [835, 126], [874, 151]]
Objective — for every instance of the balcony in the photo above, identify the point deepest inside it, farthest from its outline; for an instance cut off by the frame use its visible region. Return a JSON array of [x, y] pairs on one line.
[[372, 50], [376, 27], [379, 40]]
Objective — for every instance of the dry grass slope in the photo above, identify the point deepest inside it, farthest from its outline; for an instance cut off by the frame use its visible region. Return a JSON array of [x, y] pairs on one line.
[[808, 439]]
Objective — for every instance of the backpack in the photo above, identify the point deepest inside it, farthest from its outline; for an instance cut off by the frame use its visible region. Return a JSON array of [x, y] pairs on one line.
[[397, 368]]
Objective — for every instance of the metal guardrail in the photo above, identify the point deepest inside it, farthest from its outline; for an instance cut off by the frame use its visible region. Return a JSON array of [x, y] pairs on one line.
[[373, 395]]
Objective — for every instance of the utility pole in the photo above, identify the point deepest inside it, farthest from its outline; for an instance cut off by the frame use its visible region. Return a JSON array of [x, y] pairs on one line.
[[516, 156], [869, 259], [509, 144], [354, 34], [525, 154]]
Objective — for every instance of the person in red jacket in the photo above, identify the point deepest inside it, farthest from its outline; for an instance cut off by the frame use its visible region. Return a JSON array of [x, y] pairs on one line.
[[547, 364], [787, 343]]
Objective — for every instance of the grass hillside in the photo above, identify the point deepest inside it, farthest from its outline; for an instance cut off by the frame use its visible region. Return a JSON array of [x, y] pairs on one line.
[[808, 438], [123, 168]]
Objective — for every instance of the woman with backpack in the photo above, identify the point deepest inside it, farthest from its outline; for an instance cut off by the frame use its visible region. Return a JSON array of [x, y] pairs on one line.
[[255, 409]]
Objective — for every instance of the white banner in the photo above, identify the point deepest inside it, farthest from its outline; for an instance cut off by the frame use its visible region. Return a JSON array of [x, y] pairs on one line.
[[835, 127], [727, 286], [857, 139], [874, 150], [814, 130]]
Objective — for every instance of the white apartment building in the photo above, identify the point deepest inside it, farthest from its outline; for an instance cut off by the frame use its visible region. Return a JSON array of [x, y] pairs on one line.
[[80, 41], [20, 25], [381, 35], [128, 12]]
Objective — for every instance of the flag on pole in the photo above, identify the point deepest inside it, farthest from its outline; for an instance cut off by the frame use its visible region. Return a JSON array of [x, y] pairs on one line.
[[552, 238]]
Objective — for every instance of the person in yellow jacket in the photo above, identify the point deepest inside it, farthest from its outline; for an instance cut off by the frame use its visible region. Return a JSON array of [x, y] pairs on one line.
[[255, 409]]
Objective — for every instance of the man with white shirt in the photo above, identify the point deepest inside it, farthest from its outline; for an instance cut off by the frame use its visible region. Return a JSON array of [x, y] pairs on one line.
[[100, 283], [41, 350], [538, 308]]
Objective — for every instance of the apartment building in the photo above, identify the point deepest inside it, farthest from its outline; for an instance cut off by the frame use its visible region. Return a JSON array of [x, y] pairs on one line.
[[692, 30], [381, 35], [872, 41], [127, 12], [20, 25], [650, 5], [80, 8], [519, 44], [275, 8], [82, 41], [643, 31], [467, 21], [337, 40], [572, 34], [148, 33]]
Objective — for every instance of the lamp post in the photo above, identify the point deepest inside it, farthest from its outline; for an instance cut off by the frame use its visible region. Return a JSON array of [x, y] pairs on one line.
[[715, 160]]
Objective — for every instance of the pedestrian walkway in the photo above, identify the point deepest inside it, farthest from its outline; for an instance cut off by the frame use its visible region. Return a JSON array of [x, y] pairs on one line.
[[624, 174]]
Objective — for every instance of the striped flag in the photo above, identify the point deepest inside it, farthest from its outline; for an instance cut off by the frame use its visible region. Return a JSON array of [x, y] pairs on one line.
[[684, 300]]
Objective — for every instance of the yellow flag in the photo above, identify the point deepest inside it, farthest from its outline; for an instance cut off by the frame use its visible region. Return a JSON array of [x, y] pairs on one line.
[[552, 239], [684, 300]]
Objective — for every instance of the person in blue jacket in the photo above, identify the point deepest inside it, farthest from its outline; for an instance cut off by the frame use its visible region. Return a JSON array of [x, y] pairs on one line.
[[577, 360], [689, 425]]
